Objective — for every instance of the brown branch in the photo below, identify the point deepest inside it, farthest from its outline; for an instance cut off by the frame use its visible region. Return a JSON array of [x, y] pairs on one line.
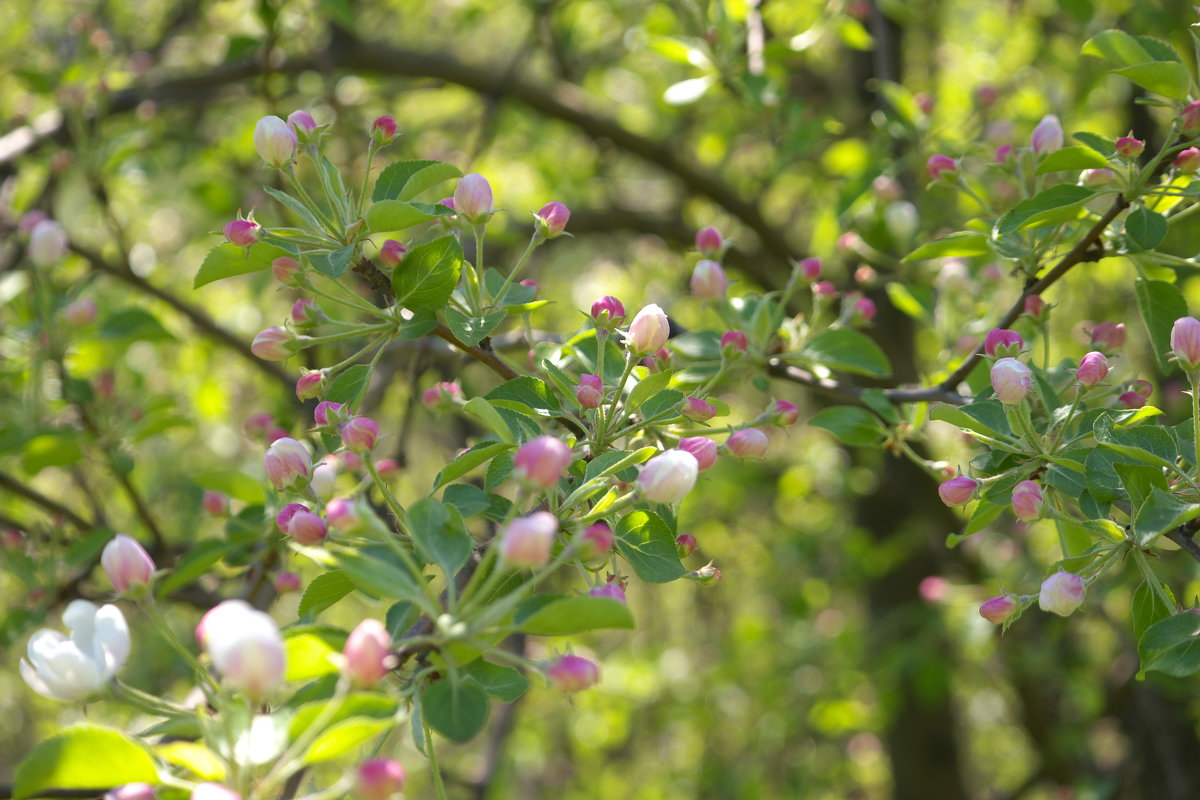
[[6, 793], [1183, 536], [37, 498], [839, 390]]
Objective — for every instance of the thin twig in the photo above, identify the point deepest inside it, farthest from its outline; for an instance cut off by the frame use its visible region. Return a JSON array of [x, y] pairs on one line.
[[37, 498]]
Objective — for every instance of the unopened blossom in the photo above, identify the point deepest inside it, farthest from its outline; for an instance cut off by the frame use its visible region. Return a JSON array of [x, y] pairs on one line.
[[127, 563], [74, 668], [306, 528], [748, 443], [999, 609], [526, 541], [215, 503], [368, 653], [286, 582], [1188, 160], [1027, 501], [697, 410], [733, 343], [824, 289], [1185, 343], [328, 413], [275, 141], [1131, 400], [612, 591], [1047, 136], [685, 544], [542, 462], [648, 331], [573, 673], [131, 791], [245, 646], [607, 312], [1062, 593], [473, 198], [941, 166], [551, 219], [1011, 380], [1092, 369], [863, 309], [1109, 336], [360, 434], [1190, 117], [958, 491], [1003, 154], [1001, 342], [379, 779], [310, 385], [383, 130], [710, 242], [81, 312], [342, 515], [287, 463], [392, 252], [305, 313], [1036, 307], [810, 268], [590, 391], [1129, 147], [303, 125], [274, 344], [702, 448], [442, 395], [596, 540], [668, 477], [709, 281], [285, 269], [784, 413]]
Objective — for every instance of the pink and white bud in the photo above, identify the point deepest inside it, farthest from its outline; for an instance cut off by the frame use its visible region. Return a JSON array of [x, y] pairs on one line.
[[607, 312], [541, 462], [1027, 501], [705, 576], [887, 189], [1185, 342], [1047, 136], [305, 313], [392, 252], [324, 480], [473, 198], [1095, 178], [590, 392], [285, 269], [244, 645], [442, 395], [47, 243], [658, 361], [957, 491], [668, 477], [573, 674], [81, 312], [1188, 160], [697, 410], [1036, 307], [733, 344], [710, 242], [1190, 117], [613, 591], [865, 274], [1004, 154], [596, 540], [386, 467], [709, 281], [213, 791], [648, 331], [341, 515], [1010, 380], [1109, 336], [941, 167], [703, 449], [307, 528], [551, 219], [810, 268], [131, 791], [287, 464], [383, 130], [285, 515], [257, 425], [274, 344], [1062, 593], [1131, 400], [286, 582], [127, 563], [303, 126], [1144, 388], [275, 141], [328, 413], [748, 443], [360, 434], [783, 413], [526, 541], [379, 779], [863, 309], [999, 609], [215, 503], [824, 289], [1001, 342], [310, 385], [1129, 147], [685, 544], [368, 653], [1092, 369]]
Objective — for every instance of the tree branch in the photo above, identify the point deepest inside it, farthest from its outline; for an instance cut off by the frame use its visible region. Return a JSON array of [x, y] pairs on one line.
[[1183, 536], [852, 393], [37, 498]]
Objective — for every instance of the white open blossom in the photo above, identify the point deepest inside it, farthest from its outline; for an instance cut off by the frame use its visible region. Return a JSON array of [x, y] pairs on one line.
[[75, 668]]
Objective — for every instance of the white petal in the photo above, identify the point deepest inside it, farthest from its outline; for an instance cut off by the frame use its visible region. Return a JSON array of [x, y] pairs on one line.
[[111, 641], [34, 679]]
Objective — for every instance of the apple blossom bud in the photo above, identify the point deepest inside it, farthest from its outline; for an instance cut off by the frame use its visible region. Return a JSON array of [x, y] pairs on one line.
[[81, 312], [748, 443], [863, 309], [1109, 336], [810, 268], [285, 269], [1001, 342], [1094, 178], [215, 503], [306, 527], [526, 541], [1188, 160], [957, 491], [705, 576], [341, 514], [1144, 388], [328, 413], [824, 289], [1010, 380], [304, 313], [30, 219], [392, 252], [1131, 400], [1129, 147], [685, 544], [1092, 369], [383, 130], [473, 198], [127, 563], [243, 232], [658, 361], [360, 434], [244, 645], [710, 242], [999, 609], [213, 791], [275, 434], [379, 779], [274, 344], [703, 449], [596, 540], [541, 462], [309, 385], [613, 591], [286, 582], [733, 344], [442, 395], [532, 284], [887, 189], [303, 126], [924, 102], [607, 312], [324, 481], [697, 410], [285, 515], [368, 653], [1185, 342], [668, 476], [386, 467], [1062, 593], [1190, 117], [939, 166], [709, 281], [865, 274], [1004, 154], [287, 464], [257, 425], [1047, 136], [551, 220], [987, 95], [573, 674], [275, 141], [131, 791], [1036, 307], [590, 391], [47, 243], [1027, 501], [783, 413], [648, 331]]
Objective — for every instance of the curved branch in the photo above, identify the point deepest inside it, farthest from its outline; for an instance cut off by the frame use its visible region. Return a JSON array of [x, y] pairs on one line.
[[852, 393], [37, 498]]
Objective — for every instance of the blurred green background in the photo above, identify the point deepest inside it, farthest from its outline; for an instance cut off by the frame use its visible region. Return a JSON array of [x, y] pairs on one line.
[[841, 656]]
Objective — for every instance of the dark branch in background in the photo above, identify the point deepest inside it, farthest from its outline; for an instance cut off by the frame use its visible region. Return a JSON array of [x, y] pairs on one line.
[[1184, 537], [852, 393], [37, 498], [6, 793]]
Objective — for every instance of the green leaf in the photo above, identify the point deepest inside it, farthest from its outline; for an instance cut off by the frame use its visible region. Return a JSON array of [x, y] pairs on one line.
[[296, 207], [662, 403], [83, 757], [469, 460], [349, 386], [422, 322], [59, 449], [472, 330], [1071, 159], [1102, 145], [1056, 204], [963, 243], [1161, 512], [1161, 303], [194, 757], [503, 683], [428, 274], [550, 615], [377, 576], [438, 531], [405, 180], [458, 712], [483, 410], [331, 262], [1167, 78], [393, 215], [307, 656], [323, 592], [1148, 608], [469, 500], [1139, 480], [1150, 444], [905, 298], [848, 350], [1116, 47], [197, 561], [134, 324], [343, 737], [850, 424], [357, 704], [646, 542], [1172, 645], [1144, 229], [529, 392], [986, 417], [227, 260], [646, 388]]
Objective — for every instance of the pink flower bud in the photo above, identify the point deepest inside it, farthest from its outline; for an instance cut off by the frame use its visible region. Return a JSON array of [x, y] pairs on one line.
[[705, 576], [933, 589], [810, 268], [532, 284], [863, 309], [368, 653], [1001, 342], [383, 130], [987, 95], [1047, 136], [1027, 501], [703, 449], [328, 413], [573, 674], [285, 515], [1185, 342], [784, 413], [541, 462], [442, 395], [131, 791], [957, 491], [213, 791], [596, 540], [1036, 307], [285, 269], [341, 514], [696, 409], [286, 582], [305, 313], [392, 252], [274, 344], [303, 126], [999, 609], [473, 198], [127, 563], [275, 434], [324, 480], [648, 331], [1010, 380], [1188, 160], [245, 647], [275, 142], [47, 243], [709, 281], [1094, 178], [748, 443], [257, 425], [551, 220], [1144, 388], [215, 503], [1131, 400], [80, 313], [386, 467], [309, 385], [379, 779], [1092, 369], [30, 219], [658, 361], [306, 527], [1129, 147], [590, 391], [360, 434], [685, 544], [939, 166], [612, 591], [607, 312], [1191, 117], [668, 477], [824, 289], [733, 343], [1109, 336], [710, 242], [287, 464], [526, 541], [1062, 593], [243, 232], [1004, 154]]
